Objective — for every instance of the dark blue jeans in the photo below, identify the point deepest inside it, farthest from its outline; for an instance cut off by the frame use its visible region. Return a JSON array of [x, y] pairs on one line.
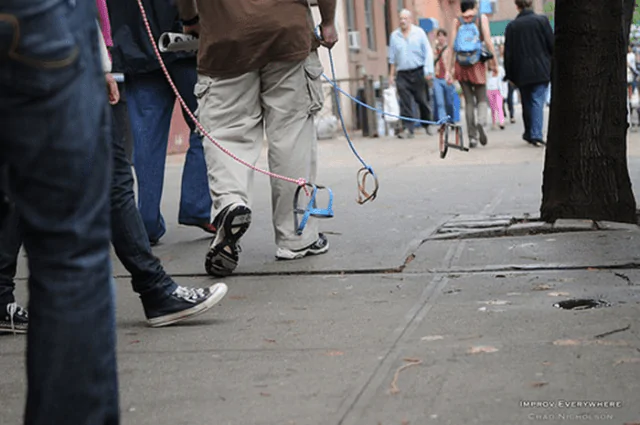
[[54, 139], [533, 98], [150, 103], [129, 237]]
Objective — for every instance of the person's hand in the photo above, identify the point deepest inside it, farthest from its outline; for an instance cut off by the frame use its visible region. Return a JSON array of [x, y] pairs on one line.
[[494, 72], [193, 30], [392, 81], [112, 89], [328, 35], [450, 76], [429, 80]]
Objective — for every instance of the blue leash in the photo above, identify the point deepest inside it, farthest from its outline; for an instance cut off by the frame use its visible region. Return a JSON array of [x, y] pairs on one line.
[[366, 170], [339, 108], [380, 111], [312, 209]]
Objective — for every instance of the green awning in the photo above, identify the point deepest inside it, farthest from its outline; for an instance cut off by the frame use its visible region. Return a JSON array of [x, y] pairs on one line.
[[498, 27]]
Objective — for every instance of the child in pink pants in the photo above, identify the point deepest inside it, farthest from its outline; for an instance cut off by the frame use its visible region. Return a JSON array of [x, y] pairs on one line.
[[495, 95]]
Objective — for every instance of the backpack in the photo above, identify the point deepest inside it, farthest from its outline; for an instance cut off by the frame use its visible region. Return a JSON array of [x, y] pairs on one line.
[[468, 43]]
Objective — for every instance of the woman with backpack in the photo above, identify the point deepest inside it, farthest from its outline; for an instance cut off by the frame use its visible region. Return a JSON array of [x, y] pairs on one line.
[[466, 63]]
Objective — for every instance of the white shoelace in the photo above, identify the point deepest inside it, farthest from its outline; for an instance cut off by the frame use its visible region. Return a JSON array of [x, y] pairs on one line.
[[190, 293]]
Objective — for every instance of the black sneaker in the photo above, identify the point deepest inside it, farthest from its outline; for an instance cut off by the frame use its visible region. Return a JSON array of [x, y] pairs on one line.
[[184, 303], [13, 319], [320, 246], [231, 224]]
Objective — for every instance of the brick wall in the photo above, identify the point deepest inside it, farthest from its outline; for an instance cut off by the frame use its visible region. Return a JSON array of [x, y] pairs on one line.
[[179, 132]]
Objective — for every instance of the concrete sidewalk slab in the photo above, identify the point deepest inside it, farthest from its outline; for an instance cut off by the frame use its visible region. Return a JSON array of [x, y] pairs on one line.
[[486, 344], [275, 350], [559, 250]]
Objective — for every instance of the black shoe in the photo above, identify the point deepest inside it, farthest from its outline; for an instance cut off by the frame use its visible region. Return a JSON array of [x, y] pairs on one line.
[[482, 134], [473, 143], [405, 134], [538, 142], [184, 303], [13, 319], [231, 223], [428, 130]]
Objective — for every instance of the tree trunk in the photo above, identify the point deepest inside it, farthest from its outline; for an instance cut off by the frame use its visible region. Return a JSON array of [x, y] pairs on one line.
[[585, 170], [628, 7]]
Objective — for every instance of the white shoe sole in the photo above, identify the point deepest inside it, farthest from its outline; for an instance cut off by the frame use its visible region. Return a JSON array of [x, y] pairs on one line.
[[217, 262], [285, 254], [218, 292]]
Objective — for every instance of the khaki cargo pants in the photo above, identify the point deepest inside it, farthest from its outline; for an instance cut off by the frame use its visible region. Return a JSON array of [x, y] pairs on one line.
[[279, 100]]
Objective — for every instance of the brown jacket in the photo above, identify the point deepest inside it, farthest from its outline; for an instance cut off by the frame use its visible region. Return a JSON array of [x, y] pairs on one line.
[[239, 36]]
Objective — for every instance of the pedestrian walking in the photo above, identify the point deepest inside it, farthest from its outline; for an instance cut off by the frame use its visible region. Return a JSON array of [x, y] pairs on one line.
[[150, 103], [258, 74], [527, 61], [443, 91], [411, 70], [467, 64], [55, 141]]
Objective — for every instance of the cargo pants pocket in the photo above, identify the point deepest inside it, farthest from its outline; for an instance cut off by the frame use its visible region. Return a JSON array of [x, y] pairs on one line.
[[313, 73], [200, 91]]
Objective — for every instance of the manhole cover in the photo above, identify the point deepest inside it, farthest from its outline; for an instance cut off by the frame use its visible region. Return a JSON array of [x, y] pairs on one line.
[[581, 304]]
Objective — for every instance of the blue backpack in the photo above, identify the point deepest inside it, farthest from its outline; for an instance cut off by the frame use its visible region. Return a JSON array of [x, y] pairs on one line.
[[468, 44]]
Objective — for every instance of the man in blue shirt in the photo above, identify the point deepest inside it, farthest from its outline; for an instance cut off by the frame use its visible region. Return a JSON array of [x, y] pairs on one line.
[[411, 60]]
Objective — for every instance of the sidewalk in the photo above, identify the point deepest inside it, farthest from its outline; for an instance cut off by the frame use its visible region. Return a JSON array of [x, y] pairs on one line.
[[391, 327]]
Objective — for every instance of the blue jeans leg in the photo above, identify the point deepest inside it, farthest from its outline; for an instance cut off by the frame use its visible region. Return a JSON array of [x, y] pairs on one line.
[[129, 237], [150, 103], [449, 96], [538, 96], [54, 139], [439, 92], [195, 198]]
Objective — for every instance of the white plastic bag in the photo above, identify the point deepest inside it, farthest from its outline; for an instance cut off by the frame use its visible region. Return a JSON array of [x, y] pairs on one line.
[[391, 105], [326, 127]]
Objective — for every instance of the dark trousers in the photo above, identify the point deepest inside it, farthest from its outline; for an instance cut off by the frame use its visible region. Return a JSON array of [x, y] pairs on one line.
[[413, 87], [509, 102], [150, 102], [54, 137], [122, 127]]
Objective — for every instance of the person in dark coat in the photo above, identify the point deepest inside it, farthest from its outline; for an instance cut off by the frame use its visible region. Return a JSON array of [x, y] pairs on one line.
[[527, 62], [150, 103]]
